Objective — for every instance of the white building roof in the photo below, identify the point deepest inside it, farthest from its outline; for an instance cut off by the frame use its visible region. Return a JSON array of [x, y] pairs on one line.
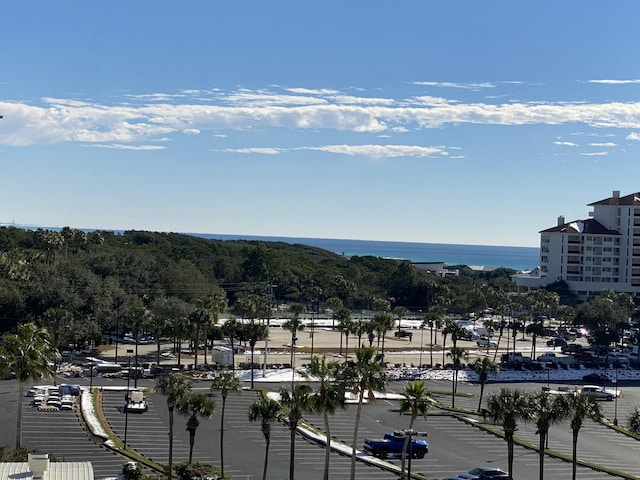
[[55, 471]]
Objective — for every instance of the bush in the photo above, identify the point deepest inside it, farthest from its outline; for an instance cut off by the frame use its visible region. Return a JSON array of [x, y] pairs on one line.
[[132, 471]]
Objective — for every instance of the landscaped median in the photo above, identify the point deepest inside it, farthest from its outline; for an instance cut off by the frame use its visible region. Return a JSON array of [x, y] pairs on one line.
[[552, 453], [97, 423]]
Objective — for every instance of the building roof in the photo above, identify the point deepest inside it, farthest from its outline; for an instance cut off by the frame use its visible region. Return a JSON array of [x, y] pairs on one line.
[[55, 471], [631, 199], [582, 226]]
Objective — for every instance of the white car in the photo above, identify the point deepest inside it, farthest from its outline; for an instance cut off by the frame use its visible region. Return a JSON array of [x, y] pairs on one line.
[[486, 342]]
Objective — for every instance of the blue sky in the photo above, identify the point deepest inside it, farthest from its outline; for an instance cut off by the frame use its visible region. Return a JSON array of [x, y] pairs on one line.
[[427, 121]]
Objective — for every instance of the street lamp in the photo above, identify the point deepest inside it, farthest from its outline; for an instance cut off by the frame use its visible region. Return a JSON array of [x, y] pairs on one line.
[[126, 398], [421, 343], [615, 406], [410, 433]]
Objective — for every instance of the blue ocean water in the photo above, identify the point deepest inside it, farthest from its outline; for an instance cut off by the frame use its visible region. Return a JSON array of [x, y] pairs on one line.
[[517, 258]]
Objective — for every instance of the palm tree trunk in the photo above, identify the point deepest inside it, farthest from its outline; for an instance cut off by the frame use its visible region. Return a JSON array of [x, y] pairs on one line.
[[481, 394], [170, 474], [266, 458], [404, 447], [509, 438], [19, 419], [575, 454], [327, 450], [192, 441], [355, 434], [224, 401], [431, 346], [292, 451], [543, 436]]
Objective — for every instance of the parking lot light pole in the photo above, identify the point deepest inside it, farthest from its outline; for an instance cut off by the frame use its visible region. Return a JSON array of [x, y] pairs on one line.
[[615, 403], [126, 398], [410, 433]]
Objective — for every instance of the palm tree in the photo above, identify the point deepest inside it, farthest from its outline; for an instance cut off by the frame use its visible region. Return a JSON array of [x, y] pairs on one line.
[[581, 406], [345, 325], [294, 325], [483, 367], [225, 382], [633, 420], [457, 354], [382, 324], [327, 399], [27, 353], [231, 329], [416, 401], [175, 387], [365, 374], [506, 408], [195, 406], [549, 409], [434, 319], [266, 410], [297, 400], [254, 332]]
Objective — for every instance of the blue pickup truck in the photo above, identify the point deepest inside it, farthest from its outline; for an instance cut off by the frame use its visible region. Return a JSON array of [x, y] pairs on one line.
[[391, 445]]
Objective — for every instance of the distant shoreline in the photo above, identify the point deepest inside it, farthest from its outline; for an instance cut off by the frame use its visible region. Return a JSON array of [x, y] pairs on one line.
[[495, 256]]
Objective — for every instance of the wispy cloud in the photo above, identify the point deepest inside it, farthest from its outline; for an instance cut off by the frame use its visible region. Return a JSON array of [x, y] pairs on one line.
[[565, 144], [126, 147], [160, 116], [371, 151], [466, 86], [603, 144], [615, 82], [382, 151], [260, 150], [594, 154]]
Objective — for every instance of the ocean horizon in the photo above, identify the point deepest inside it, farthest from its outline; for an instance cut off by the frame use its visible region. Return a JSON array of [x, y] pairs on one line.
[[516, 258]]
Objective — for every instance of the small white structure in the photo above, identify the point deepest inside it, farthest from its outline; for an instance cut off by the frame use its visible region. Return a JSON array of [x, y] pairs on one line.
[[39, 468], [222, 355]]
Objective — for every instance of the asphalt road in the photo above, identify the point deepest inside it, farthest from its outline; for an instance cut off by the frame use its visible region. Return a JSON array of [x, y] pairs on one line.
[[455, 446]]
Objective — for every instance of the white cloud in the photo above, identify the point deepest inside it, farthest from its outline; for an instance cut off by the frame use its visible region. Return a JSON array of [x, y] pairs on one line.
[[566, 144], [634, 136], [126, 147], [382, 151], [594, 154], [56, 120], [260, 150], [615, 82], [603, 144], [312, 91], [466, 86]]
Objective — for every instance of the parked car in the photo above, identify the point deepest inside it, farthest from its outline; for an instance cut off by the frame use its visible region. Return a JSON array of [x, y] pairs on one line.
[[486, 342], [598, 392], [556, 342], [568, 348], [595, 378], [403, 334], [482, 473], [392, 443]]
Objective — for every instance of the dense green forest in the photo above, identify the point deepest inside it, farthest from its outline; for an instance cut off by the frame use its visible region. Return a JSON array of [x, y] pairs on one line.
[[81, 285]]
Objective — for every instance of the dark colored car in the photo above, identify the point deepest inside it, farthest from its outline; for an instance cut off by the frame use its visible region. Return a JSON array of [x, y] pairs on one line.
[[556, 342], [483, 473], [402, 334], [597, 378]]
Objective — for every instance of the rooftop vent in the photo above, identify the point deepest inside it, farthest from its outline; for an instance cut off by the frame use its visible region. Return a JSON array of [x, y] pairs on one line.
[[561, 220], [38, 464], [616, 194]]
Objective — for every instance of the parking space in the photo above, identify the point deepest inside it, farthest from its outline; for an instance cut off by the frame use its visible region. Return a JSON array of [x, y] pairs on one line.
[[62, 433]]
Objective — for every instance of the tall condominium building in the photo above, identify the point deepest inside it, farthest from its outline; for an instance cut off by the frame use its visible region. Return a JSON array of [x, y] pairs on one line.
[[601, 252]]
